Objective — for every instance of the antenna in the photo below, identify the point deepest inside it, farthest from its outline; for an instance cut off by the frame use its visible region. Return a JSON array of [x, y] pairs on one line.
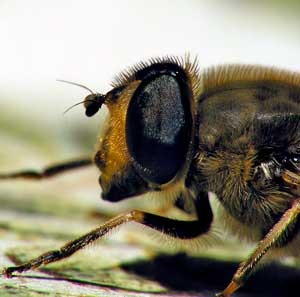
[[76, 84]]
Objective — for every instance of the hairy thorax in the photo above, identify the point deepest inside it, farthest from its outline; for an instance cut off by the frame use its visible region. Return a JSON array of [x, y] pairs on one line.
[[239, 137]]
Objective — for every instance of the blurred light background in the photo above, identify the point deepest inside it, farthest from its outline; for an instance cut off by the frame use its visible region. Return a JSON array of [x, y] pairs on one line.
[[91, 41]]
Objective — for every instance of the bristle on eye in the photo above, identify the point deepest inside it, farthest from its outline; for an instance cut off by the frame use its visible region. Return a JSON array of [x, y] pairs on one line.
[[188, 64]]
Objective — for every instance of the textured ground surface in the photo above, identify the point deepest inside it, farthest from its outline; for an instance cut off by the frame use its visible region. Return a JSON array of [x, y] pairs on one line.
[[38, 216]]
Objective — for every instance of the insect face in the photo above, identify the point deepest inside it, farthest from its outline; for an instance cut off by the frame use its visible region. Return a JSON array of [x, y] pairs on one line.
[[148, 141]]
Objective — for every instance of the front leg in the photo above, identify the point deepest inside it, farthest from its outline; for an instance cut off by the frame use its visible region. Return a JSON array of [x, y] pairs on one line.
[[49, 171], [274, 237], [174, 228]]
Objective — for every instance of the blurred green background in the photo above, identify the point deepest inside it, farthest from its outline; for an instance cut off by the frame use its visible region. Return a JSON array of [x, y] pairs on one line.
[[89, 42]]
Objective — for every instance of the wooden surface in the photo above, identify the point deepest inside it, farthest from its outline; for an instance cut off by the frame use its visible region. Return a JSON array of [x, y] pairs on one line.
[[38, 216]]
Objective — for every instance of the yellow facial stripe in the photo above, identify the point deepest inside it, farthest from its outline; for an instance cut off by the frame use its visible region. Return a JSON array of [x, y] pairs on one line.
[[116, 153]]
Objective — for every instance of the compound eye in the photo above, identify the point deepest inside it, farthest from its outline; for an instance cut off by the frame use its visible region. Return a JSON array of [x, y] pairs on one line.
[[159, 125]]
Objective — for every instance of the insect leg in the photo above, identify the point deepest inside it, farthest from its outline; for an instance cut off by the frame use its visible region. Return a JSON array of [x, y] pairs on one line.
[[48, 171], [272, 238], [175, 228]]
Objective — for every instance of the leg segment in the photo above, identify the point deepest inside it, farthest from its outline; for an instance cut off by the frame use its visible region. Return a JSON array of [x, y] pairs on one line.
[[175, 228], [48, 171], [274, 236]]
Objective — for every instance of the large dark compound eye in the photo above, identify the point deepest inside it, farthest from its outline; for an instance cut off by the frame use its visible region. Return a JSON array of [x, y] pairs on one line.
[[159, 122]]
